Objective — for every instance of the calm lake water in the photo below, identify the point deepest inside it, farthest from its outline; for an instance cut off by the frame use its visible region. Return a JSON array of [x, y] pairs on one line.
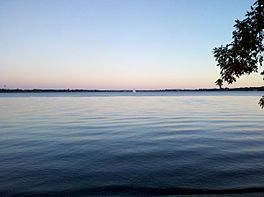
[[79, 144]]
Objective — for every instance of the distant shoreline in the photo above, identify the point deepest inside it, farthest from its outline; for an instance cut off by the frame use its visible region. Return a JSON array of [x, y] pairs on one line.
[[128, 90]]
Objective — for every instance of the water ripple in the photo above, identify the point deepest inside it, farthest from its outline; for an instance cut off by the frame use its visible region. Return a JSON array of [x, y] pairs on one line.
[[131, 145]]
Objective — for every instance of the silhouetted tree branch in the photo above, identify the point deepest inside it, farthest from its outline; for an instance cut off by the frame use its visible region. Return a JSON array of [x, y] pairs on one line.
[[244, 55], [261, 102]]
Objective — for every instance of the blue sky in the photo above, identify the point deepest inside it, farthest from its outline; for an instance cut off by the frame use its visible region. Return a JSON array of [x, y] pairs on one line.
[[115, 43]]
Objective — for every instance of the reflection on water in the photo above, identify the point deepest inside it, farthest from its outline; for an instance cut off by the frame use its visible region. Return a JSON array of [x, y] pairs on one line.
[[130, 145]]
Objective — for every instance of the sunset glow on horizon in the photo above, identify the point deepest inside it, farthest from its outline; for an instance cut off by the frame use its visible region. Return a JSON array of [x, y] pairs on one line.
[[116, 44]]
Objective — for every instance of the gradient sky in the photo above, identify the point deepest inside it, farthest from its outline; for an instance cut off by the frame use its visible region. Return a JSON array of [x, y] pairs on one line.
[[115, 43]]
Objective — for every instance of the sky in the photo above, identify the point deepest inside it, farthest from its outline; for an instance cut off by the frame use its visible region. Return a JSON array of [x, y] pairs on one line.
[[115, 44]]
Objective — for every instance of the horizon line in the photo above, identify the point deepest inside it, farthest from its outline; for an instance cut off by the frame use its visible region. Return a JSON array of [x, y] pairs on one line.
[[259, 88]]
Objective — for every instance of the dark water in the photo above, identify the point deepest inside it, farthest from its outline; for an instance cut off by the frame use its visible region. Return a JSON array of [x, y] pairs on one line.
[[79, 144]]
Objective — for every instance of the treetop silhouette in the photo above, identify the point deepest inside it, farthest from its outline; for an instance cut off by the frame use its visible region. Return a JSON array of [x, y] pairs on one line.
[[244, 55], [219, 82]]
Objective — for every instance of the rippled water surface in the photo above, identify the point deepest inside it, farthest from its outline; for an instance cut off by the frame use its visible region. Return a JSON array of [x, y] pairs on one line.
[[130, 144]]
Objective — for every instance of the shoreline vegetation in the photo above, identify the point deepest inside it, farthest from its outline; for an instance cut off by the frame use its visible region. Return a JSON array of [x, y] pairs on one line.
[[129, 90]]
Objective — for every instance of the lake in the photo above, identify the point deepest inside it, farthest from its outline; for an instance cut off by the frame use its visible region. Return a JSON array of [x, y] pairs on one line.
[[159, 143]]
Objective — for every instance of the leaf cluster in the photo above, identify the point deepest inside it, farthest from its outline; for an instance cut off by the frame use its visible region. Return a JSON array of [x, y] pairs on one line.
[[244, 55]]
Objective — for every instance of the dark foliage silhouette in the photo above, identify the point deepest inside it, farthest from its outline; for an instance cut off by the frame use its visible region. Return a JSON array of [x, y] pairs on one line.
[[261, 102], [219, 83], [244, 55]]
